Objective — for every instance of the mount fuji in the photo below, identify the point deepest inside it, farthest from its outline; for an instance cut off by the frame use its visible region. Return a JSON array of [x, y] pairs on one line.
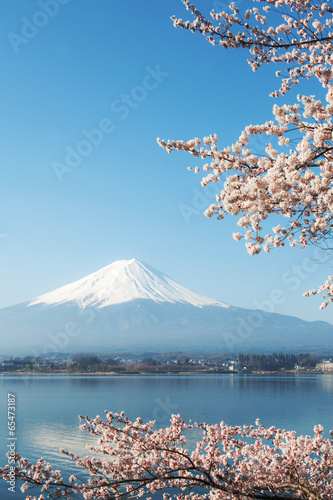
[[124, 281], [130, 306]]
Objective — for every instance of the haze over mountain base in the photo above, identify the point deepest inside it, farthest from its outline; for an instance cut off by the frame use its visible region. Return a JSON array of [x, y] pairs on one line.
[[130, 306]]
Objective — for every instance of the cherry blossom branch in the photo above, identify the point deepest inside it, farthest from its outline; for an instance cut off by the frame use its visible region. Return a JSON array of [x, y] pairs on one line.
[[300, 30], [235, 463], [295, 184]]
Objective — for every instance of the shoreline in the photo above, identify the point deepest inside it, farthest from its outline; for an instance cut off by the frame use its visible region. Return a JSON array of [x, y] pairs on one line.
[[142, 373]]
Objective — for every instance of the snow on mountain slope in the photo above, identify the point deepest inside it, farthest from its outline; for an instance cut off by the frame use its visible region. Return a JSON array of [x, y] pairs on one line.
[[124, 281], [130, 306]]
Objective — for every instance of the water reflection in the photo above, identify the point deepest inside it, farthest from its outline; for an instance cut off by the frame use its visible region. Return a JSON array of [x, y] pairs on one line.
[[48, 406], [53, 437], [282, 385], [325, 382]]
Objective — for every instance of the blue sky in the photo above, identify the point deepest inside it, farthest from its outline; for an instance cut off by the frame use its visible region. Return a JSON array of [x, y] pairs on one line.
[[121, 67]]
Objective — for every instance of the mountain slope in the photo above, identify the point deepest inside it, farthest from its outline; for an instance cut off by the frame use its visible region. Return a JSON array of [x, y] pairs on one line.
[[123, 281], [130, 306]]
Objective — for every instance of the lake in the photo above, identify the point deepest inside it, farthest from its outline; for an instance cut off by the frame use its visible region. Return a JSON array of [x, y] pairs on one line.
[[47, 406]]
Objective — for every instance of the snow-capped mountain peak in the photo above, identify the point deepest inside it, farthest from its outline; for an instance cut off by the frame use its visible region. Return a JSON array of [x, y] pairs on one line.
[[135, 308], [124, 281]]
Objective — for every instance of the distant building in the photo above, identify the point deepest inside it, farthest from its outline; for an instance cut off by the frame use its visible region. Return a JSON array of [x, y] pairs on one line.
[[44, 365], [17, 364], [7, 364], [233, 366], [325, 366]]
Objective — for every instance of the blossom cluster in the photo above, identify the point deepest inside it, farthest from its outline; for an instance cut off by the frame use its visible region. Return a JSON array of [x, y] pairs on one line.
[[295, 184], [326, 291], [292, 177], [241, 462], [290, 32]]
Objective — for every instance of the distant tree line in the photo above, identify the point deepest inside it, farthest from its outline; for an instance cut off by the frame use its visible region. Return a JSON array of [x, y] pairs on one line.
[[164, 363], [275, 362], [93, 364]]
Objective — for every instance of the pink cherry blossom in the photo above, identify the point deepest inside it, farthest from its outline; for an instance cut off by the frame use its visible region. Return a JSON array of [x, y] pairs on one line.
[[132, 459], [292, 177]]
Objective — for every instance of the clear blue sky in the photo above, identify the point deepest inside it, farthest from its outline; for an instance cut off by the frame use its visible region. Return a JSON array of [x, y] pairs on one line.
[[123, 68]]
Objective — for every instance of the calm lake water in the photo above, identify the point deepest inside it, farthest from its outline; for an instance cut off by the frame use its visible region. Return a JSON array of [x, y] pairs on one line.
[[47, 407]]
